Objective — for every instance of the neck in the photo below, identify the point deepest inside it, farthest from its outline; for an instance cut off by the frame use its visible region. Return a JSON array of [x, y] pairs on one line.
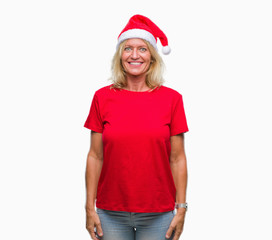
[[136, 83]]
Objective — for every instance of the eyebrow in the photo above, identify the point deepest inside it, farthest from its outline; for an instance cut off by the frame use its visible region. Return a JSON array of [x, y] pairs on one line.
[[136, 46]]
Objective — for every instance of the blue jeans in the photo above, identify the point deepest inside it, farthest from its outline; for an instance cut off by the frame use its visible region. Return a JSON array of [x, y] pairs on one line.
[[120, 225]]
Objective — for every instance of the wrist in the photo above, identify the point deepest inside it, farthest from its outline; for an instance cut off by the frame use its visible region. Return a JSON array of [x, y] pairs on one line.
[[90, 212], [181, 207], [180, 211], [89, 207]]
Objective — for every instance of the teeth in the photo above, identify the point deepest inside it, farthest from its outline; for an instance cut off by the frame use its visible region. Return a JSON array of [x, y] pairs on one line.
[[135, 63]]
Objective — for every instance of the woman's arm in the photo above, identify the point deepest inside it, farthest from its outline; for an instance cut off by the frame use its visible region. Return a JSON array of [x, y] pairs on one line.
[[179, 168], [93, 169], [179, 172]]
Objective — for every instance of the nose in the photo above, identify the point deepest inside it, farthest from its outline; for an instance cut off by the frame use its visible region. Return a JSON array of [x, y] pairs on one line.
[[134, 53]]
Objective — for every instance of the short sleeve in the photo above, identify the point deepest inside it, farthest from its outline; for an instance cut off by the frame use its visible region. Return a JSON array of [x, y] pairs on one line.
[[178, 118], [94, 121]]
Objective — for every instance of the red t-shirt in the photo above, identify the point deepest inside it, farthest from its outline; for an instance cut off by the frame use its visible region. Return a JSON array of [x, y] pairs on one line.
[[136, 129]]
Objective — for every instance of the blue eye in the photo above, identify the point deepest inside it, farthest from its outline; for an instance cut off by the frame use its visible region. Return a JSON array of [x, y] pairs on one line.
[[127, 48], [143, 49]]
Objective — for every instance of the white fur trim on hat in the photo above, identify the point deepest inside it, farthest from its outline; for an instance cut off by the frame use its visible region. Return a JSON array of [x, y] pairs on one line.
[[138, 33]]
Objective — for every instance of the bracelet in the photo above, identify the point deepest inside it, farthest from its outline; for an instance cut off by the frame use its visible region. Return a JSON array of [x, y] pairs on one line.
[[181, 205]]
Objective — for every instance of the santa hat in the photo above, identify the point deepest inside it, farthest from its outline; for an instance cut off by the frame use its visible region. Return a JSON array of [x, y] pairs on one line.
[[142, 27]]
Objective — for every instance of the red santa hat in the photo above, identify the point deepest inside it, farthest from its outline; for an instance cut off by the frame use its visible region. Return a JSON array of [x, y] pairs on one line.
[[142, 27]]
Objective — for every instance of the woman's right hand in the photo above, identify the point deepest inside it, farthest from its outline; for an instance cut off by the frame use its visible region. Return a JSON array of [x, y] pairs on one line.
[[92, 222]]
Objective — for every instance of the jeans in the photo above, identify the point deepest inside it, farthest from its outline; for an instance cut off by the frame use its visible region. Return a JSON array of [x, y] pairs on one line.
[[120, 225]]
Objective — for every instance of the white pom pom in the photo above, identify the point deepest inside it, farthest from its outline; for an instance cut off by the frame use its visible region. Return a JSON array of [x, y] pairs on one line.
[[166, 50]]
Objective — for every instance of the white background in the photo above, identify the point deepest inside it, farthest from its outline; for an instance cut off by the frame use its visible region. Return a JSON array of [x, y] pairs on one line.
[[55, 54]]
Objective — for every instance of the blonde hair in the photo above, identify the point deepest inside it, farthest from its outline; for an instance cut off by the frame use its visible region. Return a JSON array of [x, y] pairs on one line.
[[154, 74]]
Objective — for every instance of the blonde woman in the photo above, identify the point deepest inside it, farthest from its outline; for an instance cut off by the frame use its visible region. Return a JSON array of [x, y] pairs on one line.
[[136, 173]]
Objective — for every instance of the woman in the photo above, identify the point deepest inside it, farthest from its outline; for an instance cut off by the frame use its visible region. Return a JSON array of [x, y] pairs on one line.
[[136, 172]]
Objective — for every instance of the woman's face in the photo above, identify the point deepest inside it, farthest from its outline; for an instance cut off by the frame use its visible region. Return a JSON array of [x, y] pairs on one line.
[[136, 57]]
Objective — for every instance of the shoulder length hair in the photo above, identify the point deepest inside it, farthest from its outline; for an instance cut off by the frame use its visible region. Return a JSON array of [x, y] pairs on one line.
[[154, 76]]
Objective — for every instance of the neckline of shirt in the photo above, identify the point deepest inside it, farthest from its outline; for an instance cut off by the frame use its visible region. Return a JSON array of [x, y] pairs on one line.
[[135, 92]]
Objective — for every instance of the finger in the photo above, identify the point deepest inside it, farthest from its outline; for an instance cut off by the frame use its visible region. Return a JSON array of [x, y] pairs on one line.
[[176, 235], [93, 236], [169, 232], [92, 233], [99, 229]]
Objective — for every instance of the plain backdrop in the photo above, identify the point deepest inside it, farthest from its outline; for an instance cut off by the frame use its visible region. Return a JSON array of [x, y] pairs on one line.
[[55, 54]]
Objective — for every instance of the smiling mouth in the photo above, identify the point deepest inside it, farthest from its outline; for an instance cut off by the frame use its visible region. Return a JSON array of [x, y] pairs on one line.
[[135, 63]]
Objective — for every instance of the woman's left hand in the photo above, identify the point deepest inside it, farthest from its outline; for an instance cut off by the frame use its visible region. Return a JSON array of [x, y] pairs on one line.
[[177, 224]]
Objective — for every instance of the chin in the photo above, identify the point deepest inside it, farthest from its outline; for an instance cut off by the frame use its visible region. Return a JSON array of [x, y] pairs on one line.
[[135, 74]]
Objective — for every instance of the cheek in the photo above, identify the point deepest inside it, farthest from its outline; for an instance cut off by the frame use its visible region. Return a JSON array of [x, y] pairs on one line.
[[147, 58], [124, 59], [123, 63], [125, 55]]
